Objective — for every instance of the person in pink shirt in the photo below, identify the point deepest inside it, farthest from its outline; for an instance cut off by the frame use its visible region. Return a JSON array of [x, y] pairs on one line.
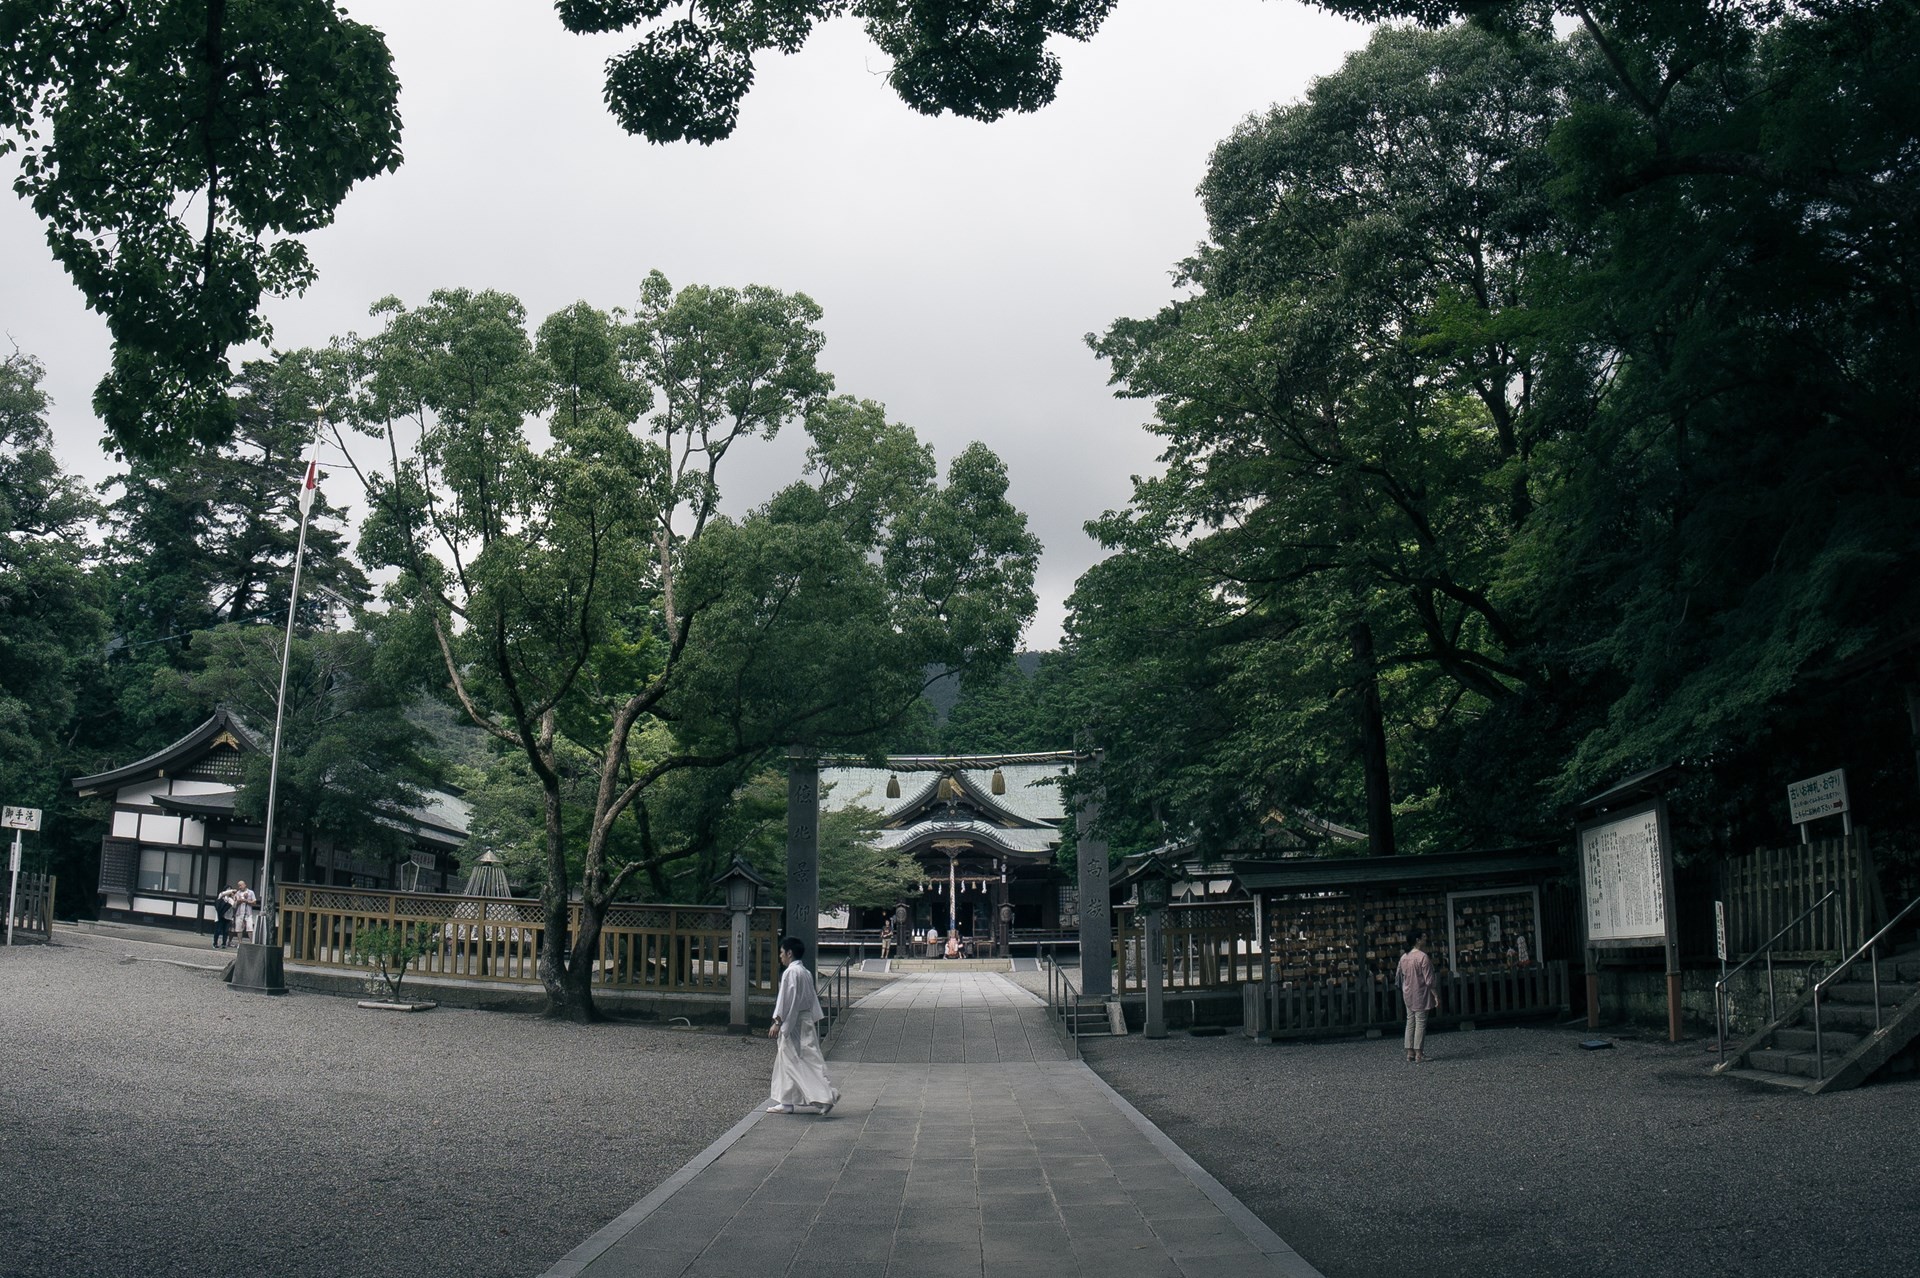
[[1417, 989]]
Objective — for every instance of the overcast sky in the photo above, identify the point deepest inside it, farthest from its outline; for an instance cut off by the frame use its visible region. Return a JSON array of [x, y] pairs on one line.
[[959, 264]]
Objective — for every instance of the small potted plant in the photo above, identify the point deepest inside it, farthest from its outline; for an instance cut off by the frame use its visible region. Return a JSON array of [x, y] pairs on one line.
[[390, 952]]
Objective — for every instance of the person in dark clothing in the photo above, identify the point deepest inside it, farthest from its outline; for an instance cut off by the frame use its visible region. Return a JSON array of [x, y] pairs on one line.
[[222, 921]]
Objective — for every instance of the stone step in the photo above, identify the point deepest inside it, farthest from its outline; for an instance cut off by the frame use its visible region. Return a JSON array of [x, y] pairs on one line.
[[1773, 1061], [1850, 1017], [1892, 993], [1798, 1039], [1772, 1080]]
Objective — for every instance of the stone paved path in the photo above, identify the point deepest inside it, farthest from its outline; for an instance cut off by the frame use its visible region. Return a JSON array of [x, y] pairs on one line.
[[965, 1145], [924, 1019]]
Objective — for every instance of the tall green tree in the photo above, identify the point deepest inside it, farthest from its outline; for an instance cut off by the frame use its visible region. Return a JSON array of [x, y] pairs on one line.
[[595, 612], [176, 150], [206, 539], [352, 762], [1352, 404], [52, 626]]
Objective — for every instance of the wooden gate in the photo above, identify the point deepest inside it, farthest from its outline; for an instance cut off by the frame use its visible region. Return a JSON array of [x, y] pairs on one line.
[[33, 909]]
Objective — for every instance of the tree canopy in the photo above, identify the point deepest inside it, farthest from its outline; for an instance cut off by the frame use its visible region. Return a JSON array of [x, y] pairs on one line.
[[594, 611], [1532, 417]]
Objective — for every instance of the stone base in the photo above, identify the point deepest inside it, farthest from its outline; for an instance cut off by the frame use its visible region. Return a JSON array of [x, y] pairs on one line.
[[257, 969], [387, 1005]]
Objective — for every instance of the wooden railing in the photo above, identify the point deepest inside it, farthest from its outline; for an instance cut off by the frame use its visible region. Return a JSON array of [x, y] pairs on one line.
[[32, 908], [1304, 1010], [1205, 946], [1764, 892], [667, 948]]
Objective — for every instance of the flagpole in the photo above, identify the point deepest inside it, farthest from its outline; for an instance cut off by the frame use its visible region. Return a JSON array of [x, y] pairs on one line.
[[270, 979]]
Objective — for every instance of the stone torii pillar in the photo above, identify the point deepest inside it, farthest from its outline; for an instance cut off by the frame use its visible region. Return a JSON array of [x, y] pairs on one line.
[[803, 851], [1096, 906]]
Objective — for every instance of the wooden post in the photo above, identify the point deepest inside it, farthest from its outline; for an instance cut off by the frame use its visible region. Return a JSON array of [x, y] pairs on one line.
[[738, 960], [1672, 911]]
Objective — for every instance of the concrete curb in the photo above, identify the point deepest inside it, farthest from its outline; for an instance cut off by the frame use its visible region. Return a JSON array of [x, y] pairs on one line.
[[1257, 1231], [576, 1261]]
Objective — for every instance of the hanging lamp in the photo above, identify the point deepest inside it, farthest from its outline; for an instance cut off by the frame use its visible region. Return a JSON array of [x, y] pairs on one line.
[[893, 785], [999, 782]]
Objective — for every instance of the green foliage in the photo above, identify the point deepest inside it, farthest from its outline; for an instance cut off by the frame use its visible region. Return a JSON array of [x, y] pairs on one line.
[[52, 624], [351, 760], [1554, 392], [207, 539], [1351, 416], [390, 951], [592, 610], [853, 870], [252, 117], [685, 78]]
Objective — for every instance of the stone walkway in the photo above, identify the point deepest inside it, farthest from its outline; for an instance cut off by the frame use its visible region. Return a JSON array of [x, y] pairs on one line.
[[964, 1144]]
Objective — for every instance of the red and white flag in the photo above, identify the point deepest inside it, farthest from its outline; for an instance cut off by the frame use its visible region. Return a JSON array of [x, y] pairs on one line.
[[311, 484]]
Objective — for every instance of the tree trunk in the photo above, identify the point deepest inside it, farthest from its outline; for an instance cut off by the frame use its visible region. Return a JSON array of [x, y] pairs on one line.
[[566, 979], [1373, 745]]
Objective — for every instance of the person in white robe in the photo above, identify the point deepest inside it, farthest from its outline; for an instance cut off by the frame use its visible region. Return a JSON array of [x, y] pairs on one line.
[[799, 1068]]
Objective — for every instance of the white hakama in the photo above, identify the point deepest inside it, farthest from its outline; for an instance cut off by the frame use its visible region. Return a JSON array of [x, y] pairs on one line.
[[799, 1067]]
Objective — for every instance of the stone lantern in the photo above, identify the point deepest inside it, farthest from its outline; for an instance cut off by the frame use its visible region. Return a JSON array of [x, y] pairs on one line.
[[743, 891], [1153, 880]]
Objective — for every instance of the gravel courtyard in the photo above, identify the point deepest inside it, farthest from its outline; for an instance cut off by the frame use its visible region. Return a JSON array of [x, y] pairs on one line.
[[157, 1124], [1514, 1154]]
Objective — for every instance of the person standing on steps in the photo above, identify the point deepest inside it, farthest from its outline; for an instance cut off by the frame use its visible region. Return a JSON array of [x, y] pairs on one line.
[[1418, 990], [222, 918], [799, 1068]]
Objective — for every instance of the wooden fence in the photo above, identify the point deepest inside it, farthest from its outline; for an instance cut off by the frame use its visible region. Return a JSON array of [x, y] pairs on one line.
[[1206, 946], [1370, 1002], [665, 948], [1764, 892], [32, 908]]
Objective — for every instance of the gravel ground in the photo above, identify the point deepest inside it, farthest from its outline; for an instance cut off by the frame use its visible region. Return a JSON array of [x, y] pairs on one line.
[[1512, 1154], [158, 1124]]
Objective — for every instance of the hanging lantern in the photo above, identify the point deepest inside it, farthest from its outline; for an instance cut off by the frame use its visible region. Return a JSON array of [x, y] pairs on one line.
[[999, 782], [949, 788], [893, 785]]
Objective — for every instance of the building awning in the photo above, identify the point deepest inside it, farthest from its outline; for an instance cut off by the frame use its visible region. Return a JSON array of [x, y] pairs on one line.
[[201, 806], [1328, 874]]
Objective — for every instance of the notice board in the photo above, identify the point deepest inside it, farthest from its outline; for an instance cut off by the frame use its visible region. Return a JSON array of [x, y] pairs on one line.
[[1624, 878]]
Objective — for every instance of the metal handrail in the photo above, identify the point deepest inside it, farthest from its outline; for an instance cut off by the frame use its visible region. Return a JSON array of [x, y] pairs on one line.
[[1063, 1000], [1868, 947], [1773, 1003], [839, 985]]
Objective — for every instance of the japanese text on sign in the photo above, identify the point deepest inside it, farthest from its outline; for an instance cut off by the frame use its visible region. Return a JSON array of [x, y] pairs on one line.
[[1824, 795], [1620, 871], [19, 818]]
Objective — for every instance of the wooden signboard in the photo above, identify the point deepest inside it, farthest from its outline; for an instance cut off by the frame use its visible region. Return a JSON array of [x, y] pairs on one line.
[[1626, 886]]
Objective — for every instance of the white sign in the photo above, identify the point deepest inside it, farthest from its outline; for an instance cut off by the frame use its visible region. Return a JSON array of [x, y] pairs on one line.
[[1720, 929], [19, 818], [13, 860], [1620, 873], [1824, 795]]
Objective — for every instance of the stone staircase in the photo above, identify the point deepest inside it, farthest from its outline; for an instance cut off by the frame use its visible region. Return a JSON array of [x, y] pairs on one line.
[[1783, 1052], [1097, 1020]]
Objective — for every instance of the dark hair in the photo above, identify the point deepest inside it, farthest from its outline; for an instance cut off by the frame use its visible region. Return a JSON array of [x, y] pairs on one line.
[[1415, 937], [795, 946]]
